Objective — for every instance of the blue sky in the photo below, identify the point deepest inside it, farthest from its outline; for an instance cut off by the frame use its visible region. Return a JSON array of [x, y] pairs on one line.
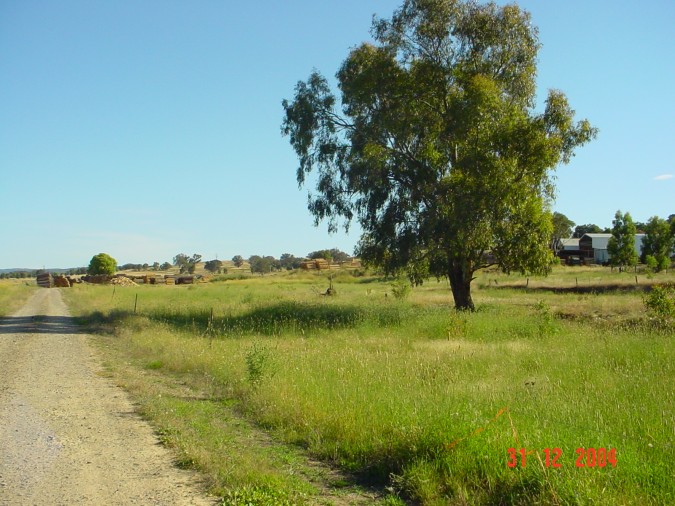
[[148, 128]]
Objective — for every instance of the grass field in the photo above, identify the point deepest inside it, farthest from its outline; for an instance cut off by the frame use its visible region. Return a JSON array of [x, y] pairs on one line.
[[261, 382], [13, 293]]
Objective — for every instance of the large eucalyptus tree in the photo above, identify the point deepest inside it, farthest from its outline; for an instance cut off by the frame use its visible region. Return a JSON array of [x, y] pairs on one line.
[[435, 148]]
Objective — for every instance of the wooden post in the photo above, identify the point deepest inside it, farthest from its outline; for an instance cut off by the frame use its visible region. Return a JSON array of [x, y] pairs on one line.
[[135, 303], [210, 329], [636, 281]]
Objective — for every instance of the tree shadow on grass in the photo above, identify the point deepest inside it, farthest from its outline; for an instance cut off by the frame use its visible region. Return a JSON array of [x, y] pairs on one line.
[[268, 320], [527, 491], [581, 289], [39, 324]]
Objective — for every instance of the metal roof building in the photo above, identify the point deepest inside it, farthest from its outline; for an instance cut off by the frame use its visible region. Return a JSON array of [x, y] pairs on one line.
[[595, 246]]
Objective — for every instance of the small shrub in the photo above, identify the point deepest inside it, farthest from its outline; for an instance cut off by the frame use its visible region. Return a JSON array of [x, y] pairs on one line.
[[259, 364], [651, 262], [547, 323], [660, 304], [400, 289]]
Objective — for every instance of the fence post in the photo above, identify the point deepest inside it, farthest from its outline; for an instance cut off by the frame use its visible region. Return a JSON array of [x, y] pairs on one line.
[[135, 303], [211, 329]]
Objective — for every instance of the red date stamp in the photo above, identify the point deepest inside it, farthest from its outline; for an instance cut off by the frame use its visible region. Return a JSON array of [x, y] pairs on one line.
[[586, 457]]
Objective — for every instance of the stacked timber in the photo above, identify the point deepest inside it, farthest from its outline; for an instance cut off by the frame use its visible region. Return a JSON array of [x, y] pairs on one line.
[[122, 281], [99, 279], [62, 282], [322, 264], [45, 280]]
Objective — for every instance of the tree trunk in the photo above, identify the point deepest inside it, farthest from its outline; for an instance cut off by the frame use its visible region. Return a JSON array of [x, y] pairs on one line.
[[460, 284]]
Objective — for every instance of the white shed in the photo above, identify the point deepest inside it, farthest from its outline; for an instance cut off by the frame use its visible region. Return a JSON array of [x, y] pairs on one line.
[[571, 244], [596, 246]]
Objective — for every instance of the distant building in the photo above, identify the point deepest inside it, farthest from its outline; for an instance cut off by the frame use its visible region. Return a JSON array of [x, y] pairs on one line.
[[571, 244], [594, 246]]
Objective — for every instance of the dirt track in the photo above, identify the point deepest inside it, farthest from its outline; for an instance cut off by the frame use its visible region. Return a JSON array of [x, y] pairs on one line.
[[67, 434]]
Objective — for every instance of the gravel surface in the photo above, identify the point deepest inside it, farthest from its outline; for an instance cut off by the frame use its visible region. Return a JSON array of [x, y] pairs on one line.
[[67, 434]]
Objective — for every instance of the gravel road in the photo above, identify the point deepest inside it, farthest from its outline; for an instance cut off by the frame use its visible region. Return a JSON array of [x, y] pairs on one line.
[[67, 434]]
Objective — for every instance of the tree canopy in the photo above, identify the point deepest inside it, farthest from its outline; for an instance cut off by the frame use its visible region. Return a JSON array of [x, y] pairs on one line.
[[589, 228], [186, 263], [562, 229], [658, 242], [102, 264], [436, 149], [621, 246], [288, 261], [332, 255], [262, 265], [213, 266]]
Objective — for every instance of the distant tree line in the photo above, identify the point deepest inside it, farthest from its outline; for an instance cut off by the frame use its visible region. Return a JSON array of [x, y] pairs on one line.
[[33, 273], [156, 266], [258, 264]]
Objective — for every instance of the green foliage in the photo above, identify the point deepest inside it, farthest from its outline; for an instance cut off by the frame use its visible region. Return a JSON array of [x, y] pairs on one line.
[[660, 305], [155, 364], [547, 323], [185, 263], [590, 228], [658, 242], [562, 229], [262, 265], [437, 151], [401, 289], [331, 255], [259, 363], [289, 262], [238, 260], [621, 246], [102, 264], [213, 266], [651, 263]]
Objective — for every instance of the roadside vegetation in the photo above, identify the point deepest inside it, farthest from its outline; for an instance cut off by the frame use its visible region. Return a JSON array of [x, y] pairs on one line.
[[283, 396], [13, 294]]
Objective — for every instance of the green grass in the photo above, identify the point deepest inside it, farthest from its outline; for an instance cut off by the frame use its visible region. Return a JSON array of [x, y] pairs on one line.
[[408, 394], [13, 294]]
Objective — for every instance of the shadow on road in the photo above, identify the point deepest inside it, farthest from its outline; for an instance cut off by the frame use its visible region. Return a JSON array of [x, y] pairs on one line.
[[39, 324]]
